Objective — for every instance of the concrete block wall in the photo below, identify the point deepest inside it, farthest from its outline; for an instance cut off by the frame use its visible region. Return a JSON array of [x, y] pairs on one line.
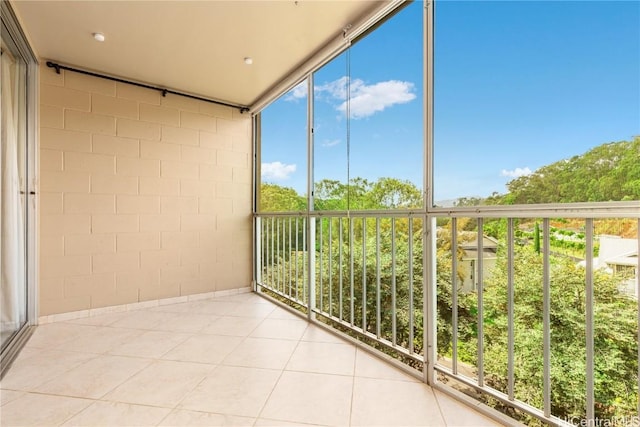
[[142, 197]]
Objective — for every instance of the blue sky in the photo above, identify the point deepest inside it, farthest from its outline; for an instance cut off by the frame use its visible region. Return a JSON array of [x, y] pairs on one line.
[[518, 85]]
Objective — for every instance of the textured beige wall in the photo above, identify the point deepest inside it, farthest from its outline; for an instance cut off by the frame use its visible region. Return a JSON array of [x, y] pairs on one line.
[[141, 196]]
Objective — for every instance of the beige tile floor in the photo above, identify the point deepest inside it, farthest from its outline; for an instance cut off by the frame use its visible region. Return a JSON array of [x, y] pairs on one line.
[[239, 360]]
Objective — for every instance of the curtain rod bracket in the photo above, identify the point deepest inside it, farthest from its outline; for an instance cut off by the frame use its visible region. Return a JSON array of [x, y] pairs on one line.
[[53, 65], [58, 67]]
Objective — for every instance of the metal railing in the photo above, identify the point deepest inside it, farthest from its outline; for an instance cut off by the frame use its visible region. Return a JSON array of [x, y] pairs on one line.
[[439, 293]]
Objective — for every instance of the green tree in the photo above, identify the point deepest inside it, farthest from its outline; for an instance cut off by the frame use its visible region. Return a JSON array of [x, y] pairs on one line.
[[608, 172], [274, 198], [615, 337]]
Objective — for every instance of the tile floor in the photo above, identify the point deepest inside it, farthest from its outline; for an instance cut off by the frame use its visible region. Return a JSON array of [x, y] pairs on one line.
[[238, 360]]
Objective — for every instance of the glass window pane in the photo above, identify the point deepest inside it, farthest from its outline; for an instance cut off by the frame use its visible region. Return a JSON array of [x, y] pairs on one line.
[[283, 151], [368, 120], [330, 136], [386, 114], [536, 102]]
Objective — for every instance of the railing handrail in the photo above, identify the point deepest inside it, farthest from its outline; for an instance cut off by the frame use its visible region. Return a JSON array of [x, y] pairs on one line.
[[626, 209]]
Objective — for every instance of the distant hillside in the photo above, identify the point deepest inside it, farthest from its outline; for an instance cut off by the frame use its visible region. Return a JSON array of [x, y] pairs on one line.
[[608, 172]]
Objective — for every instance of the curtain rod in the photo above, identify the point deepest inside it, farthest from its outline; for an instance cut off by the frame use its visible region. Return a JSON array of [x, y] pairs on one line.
[[58, 67]]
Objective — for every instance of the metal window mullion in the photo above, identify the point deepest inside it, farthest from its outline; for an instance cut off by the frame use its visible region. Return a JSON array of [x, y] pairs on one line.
[[393, 282], [364, 274], [510, 307], [589, 319], [480, 278], [410, 255], [351, 277], [311, 248], [546, 316], [378, 278], [429, 285], [454, 294]]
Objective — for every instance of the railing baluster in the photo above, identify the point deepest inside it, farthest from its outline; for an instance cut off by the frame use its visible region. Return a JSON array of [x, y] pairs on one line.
[[279, 270], [510, 300], [271, 240], [393, 282], [480, 278], [330, 266], [454, 294], [311, 291], [351, 278], [305, 260], [289, 252], [320, 266], [546, 316], [283, 253], [410, 255], [589, 301], [378, 277], [297, 274], [258, 254], [364, 274], [341, 230], [638, 299], [265, 250]]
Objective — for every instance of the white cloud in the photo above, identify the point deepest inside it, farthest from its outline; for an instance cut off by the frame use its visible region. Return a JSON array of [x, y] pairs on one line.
[[516, 173], [366, 100], [336, 89], [328, 143], [298, 92], [277, 171]]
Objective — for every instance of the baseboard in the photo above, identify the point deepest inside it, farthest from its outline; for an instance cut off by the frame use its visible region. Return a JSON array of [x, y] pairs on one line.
[[61, 317]]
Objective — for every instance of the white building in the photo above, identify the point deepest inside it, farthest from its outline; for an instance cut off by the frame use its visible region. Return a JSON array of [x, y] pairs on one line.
[[620, 257]]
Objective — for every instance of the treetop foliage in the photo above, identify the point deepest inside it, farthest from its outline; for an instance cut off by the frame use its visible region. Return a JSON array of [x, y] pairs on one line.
[[608, 172]]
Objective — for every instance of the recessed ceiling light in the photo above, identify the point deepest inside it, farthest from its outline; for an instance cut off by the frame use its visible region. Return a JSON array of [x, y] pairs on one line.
[[248, 60], [98, 36]]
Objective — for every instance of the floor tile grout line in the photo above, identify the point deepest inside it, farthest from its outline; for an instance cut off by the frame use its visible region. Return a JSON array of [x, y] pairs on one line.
[[186, 335], [279, 377], [353, 384], [444, 420]]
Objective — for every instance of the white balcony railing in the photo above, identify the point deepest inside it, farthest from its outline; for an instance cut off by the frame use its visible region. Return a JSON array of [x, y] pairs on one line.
[[387, 278]]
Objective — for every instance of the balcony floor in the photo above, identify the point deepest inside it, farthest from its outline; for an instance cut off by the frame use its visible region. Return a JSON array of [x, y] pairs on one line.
[[238, 360]]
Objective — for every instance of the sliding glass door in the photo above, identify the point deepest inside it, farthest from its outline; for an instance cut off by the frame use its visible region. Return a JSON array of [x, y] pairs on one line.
[[13, 199], [16, 196]]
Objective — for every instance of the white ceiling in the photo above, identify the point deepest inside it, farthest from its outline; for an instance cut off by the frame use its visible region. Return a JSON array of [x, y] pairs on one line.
[[191, 46]]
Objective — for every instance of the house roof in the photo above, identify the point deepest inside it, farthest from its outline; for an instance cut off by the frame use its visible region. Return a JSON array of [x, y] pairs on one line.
[[192, 46], [630, 259]]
